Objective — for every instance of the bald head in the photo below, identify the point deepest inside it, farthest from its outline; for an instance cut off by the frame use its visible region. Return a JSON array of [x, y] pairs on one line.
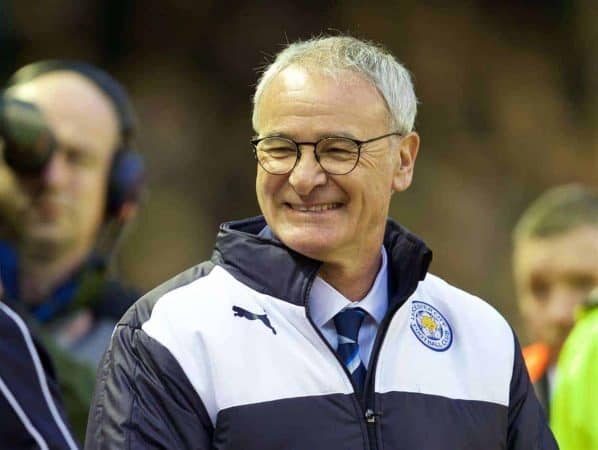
[[68, 101], [68, 197]]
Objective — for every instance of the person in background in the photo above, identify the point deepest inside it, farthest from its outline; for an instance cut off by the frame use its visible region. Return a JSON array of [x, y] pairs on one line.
[[574, 416], [62, 218], [555, 265]]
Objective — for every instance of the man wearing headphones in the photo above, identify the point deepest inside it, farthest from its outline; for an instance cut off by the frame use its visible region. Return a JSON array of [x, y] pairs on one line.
[[66, 216]]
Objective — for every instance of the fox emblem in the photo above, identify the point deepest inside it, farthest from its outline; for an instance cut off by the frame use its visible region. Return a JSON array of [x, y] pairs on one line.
[[240, 312]]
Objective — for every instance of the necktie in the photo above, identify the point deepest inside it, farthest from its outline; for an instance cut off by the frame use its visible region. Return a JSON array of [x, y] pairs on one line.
[[347, 324]]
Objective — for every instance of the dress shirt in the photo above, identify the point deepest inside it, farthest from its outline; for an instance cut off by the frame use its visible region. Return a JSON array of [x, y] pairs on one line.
[[325, 302]]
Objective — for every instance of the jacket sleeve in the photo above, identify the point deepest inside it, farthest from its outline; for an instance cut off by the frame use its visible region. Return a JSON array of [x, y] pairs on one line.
[[527, 425], [31, 410], [143, 399]]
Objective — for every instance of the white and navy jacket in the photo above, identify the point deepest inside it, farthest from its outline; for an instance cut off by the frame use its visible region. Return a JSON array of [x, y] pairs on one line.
[[225, 356], [31, 412]]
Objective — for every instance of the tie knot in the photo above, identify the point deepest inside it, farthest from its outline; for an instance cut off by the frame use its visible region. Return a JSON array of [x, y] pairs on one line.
[[348, 321]]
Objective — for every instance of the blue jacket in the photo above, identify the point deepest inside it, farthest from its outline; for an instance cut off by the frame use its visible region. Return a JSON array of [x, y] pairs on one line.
[[31, 415], [225, 356]]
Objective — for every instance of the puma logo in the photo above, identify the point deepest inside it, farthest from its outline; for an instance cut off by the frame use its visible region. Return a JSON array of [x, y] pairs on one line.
[[240, 312]]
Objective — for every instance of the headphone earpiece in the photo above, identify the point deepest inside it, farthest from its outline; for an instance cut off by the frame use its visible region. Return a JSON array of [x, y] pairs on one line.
[[127, 174], [125, 183]]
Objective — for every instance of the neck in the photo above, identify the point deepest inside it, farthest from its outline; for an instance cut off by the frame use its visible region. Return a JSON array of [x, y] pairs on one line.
[[40, 277], [354, 279]]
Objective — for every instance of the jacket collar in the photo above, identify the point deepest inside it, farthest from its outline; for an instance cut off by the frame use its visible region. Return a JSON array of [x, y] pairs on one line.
[[265, 264]]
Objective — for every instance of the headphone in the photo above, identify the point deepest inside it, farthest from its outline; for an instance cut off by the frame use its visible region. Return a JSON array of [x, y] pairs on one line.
[[126, 179]]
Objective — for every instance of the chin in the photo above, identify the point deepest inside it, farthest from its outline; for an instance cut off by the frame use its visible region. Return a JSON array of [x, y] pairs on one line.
[[44, 249], [46, 232], [46, 236], [314, 244]]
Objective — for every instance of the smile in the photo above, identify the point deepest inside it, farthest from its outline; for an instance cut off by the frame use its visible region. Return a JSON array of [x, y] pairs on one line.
[[314, 208]]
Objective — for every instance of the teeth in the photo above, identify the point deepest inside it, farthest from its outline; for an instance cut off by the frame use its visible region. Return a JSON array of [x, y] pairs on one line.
[[315, 208]]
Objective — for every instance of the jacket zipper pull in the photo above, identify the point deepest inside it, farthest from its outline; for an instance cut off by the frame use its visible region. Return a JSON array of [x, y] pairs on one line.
[[370, 416]]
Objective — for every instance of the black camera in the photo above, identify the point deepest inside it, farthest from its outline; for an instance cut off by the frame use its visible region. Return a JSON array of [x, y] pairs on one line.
[[28, 141]]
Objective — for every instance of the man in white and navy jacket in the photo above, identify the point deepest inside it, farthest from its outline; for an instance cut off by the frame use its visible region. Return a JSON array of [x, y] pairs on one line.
[[318, 326]]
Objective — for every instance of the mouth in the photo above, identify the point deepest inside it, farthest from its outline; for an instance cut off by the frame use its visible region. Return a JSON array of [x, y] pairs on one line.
[[48, 208], [317, 208]]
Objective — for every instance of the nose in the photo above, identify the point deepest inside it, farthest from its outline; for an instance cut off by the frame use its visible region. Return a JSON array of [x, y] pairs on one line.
[[307, 173], [562, 306], [55, 173]]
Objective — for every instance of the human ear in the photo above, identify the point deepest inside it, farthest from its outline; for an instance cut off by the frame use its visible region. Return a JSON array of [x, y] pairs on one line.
[[404, 163]]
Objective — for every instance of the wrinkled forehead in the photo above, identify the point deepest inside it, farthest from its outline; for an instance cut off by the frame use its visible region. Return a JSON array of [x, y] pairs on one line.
[[307, 89], [78, 112], [296, 76]]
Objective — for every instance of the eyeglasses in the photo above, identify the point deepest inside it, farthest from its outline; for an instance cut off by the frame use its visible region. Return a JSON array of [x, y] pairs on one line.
[[336, 155]]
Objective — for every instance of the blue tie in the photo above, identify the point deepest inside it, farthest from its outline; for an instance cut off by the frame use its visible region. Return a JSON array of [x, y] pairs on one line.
[[347, 324]]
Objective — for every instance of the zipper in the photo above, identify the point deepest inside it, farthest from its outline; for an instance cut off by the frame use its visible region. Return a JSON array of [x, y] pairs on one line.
[[368, 415], [369, 396], [367, 400]]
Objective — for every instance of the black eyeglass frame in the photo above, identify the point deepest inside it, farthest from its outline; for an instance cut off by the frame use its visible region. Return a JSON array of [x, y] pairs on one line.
[[254, 143]]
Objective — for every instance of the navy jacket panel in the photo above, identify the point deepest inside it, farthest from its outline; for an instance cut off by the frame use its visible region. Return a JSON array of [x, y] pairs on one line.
[[143, 399], [13, 432], [297, 423], [436, 423], [31, 411], [526, 414]]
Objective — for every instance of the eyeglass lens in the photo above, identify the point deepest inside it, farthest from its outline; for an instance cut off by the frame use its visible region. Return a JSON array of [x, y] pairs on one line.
[[336, 155]]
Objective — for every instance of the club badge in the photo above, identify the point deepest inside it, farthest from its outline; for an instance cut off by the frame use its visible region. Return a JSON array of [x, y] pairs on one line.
[[430, 327]]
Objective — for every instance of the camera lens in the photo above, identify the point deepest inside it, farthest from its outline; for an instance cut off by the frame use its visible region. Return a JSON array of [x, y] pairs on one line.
[[28, 141]]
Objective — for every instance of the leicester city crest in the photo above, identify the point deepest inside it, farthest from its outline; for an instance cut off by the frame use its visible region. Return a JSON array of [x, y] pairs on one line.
[[430, 327]]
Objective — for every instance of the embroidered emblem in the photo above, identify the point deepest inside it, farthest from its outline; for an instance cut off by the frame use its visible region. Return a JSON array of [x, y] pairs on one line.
[[240, 312], [430, 327]]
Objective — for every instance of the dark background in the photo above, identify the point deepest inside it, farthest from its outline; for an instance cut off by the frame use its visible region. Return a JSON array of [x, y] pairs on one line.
[[508, 92]]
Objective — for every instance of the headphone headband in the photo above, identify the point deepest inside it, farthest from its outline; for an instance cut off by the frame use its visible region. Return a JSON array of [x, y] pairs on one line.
[[107, 84], [127, 174]]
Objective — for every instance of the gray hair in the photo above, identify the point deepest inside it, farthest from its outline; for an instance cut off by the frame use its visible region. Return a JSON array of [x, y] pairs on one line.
[[331, 55]]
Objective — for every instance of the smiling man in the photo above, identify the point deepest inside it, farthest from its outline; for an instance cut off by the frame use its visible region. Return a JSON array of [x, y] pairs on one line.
[[317, 325]]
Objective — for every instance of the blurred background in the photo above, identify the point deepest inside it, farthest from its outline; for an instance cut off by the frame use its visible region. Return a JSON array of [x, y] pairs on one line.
[[508, 107]]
